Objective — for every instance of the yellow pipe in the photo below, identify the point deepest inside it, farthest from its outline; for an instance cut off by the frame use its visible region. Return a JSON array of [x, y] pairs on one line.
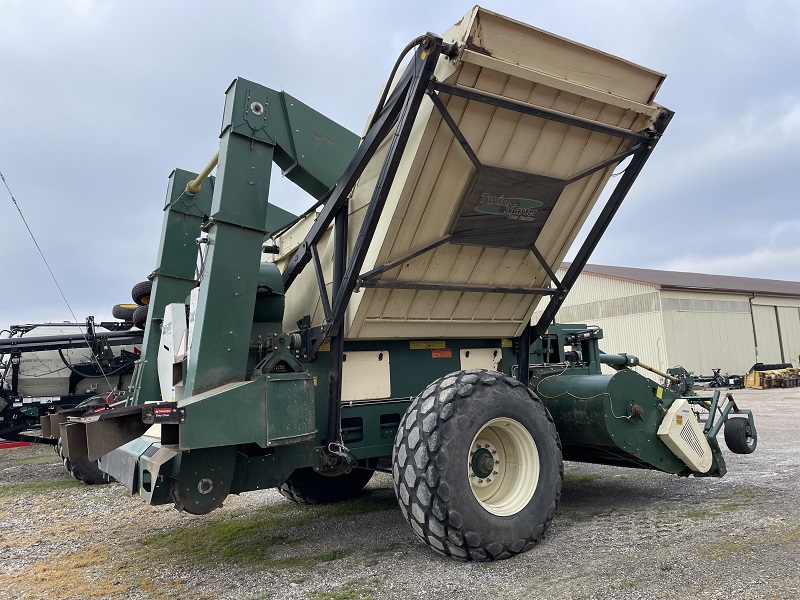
[[657, 372], [194, 185]]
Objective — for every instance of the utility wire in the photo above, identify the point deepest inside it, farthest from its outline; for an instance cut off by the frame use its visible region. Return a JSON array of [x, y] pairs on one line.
[[60, 291]]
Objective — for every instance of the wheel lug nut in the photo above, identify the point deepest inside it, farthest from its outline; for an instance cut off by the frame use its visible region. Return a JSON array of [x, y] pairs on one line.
[[494, 451], [480, 480], [497, 462], [494, 472]]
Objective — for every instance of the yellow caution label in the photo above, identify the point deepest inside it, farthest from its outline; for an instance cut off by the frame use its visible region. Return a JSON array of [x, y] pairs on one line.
[[315, 382], [506, 343], [678, 419], [659, 392], [426, 344], [324, 347]]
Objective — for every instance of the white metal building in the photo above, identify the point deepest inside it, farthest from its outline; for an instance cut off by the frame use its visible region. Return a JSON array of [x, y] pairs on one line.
[[698, 321]]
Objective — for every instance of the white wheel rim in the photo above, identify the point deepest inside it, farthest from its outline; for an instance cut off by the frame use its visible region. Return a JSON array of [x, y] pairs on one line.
[[503, 467]]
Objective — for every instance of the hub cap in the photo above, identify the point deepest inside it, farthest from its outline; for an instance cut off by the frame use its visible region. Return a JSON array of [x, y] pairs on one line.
[[503, 467]]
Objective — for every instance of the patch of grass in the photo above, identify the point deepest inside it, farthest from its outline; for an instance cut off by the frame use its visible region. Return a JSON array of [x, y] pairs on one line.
[[738, 495], [770, 539], [61, 578], [578, 477], [236, 538], [696, 513], [255, 537], [350, 591], [666, 568], [36, 460], [308, 562], [357, 507], [41, 486]]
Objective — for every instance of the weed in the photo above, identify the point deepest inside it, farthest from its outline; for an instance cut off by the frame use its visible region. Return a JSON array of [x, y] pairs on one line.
[[578, 477], [41, 486], [351, 591], [696, 513]]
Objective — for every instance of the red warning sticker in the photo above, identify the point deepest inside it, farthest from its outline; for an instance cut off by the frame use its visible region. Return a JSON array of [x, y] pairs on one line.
[[442, 353]]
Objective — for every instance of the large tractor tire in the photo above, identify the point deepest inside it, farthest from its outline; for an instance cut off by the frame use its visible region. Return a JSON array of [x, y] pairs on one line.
[[306, 486], [477, 466], [738, 436], [83, 470], [140, 293], [124, 312]]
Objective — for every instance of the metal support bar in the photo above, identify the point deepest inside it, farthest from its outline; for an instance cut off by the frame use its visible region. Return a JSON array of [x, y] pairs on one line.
[[536, 111], [323, 290], [454, 287], [603, 221], [606, 163], [420, 71], [340, 246], [547, 269], [448, 118], [524, 356], [399, 261]]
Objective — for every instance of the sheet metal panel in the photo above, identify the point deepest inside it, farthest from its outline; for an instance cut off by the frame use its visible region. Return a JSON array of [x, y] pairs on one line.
[[516, 61]]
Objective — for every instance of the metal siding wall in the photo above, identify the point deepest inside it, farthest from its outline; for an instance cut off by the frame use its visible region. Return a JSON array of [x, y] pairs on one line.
[[769, 349], [790, 333], [641, 335], [702, 341], [591, 288]]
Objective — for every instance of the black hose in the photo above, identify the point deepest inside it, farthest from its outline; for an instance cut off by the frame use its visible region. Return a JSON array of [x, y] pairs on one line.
[[93, 376]]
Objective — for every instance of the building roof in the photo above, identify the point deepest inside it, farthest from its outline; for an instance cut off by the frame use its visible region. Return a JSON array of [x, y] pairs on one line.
[[697, 281]]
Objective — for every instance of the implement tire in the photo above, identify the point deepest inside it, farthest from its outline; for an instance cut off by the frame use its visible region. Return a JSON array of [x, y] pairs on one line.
[[123, 312], [83, 470], [738, 437], [477, 466], [140, 293], [140, 317], [306, 486]]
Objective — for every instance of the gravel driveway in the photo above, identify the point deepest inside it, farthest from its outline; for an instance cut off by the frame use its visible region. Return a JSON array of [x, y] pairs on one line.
[[618, 533]]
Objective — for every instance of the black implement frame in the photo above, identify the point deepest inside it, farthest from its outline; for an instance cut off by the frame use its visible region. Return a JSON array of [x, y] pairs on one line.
[[397, 117]]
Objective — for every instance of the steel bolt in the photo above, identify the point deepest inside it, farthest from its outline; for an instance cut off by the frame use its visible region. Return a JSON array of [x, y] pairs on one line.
[[497, 462], [494, 472], [480, 480]]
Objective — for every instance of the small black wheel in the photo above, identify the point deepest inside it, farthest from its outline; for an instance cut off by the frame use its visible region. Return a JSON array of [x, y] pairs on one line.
[[83, 470], [140, 293], [124, 312], [739, 438], [140, 317], [306, 486], [477, 466]]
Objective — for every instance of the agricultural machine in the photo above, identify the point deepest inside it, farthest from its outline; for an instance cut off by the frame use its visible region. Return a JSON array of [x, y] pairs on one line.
[[50, 371], [390, 326]]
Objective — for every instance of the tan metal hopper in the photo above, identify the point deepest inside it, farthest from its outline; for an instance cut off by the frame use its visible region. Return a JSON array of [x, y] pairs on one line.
[[478, 228]]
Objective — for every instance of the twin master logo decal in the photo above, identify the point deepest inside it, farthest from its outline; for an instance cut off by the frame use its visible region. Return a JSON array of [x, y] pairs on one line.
[[519, 209]]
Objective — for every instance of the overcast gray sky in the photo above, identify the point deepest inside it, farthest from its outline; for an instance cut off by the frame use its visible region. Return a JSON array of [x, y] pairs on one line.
[[99, 101]]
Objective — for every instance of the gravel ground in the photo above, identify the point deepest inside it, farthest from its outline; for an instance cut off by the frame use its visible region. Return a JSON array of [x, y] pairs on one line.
[[618, 533]]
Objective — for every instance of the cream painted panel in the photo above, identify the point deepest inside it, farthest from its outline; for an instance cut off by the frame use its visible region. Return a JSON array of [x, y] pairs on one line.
[[777, 301], [790, 334], [365, 376], [481, 358], [702, 341], [769, 348]]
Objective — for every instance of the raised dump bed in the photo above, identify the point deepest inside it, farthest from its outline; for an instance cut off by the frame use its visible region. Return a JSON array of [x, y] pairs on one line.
[[473, 201]]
